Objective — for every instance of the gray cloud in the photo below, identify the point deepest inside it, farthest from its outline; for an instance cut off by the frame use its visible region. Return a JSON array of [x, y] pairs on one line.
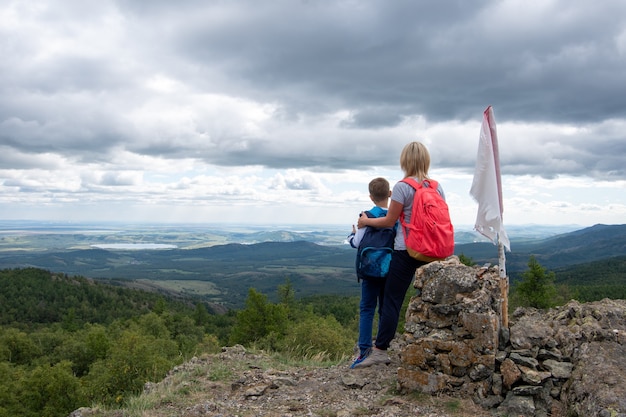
[[342, 79]]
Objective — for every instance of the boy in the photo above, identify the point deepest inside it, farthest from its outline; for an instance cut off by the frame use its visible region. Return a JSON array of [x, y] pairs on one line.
[[372, 263]]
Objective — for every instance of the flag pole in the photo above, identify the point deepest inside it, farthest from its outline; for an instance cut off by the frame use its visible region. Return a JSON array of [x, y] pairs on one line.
[[504, 279], [504, 285]]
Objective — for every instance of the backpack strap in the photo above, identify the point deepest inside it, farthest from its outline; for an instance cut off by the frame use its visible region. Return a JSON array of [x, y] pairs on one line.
[[417, 185]]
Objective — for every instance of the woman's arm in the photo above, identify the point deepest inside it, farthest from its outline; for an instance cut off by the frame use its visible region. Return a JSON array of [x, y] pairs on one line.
[[389, 220]]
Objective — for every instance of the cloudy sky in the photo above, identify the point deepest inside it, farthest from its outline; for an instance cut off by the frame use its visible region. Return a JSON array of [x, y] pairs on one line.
[[281, 111]]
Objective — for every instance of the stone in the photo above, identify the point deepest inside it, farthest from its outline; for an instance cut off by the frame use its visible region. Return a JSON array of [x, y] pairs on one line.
[[257, 390], [515, 405], [558, 369], [483, 329], [527, 332], [441, 286], [529, 353], [510, 373], [352, 380], [419, 354], [528, 390], [544, 354], [462, 355], [504, 337], [501, 355], [445, 365], [82, 412], [479, 372], [421, 381], [532, 376], [496, 384], [524, 360]]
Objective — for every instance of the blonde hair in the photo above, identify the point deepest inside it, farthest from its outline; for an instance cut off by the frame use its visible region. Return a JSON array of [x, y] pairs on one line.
[[415, 161], [379, 189]]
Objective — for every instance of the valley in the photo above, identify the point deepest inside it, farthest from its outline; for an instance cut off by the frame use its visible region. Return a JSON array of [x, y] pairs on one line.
[[219, 264]]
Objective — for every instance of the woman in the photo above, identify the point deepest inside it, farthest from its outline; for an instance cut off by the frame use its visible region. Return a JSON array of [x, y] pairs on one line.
[[415, 162]]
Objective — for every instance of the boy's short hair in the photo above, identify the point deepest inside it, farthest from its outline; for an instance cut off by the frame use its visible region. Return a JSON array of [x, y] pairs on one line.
[[379, 189]]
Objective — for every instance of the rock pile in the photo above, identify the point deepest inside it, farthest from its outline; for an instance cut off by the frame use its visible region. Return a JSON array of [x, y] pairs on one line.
[[454, 343]]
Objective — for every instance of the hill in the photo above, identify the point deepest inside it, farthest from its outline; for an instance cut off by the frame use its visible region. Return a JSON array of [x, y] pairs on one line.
[[34, 297], [219, 274], [222, 274], [596, 243], [612, 270]]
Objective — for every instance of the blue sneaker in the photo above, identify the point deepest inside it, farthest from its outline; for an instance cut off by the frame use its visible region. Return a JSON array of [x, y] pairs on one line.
[[361, 358]]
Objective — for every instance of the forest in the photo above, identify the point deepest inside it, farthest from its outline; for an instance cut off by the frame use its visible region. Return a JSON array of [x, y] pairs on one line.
[[69, 342]]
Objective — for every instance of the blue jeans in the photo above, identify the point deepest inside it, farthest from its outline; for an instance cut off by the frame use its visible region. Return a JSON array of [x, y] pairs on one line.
[[401, 273], [372, 292]]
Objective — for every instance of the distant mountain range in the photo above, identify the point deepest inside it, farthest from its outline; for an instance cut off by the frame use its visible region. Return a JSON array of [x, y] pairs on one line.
[[222, 273], [578, 247]]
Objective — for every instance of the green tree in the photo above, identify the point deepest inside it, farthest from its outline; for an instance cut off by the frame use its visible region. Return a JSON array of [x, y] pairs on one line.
[[133, 360], [185, 332], [160, 306], [52, 391], [344, 309], [318, 337], [287, 294], [466, 260], [9, 403], [82, 348], [17, 347], [97, 341], [220, 325], [201, 316], [153, 325], [537, 288], [259, 320]]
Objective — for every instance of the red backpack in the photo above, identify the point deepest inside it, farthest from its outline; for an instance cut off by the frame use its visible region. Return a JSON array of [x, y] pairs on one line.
[[430, 235]]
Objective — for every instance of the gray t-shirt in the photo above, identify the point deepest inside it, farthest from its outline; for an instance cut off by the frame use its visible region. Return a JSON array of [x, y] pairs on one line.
[[403, 193]]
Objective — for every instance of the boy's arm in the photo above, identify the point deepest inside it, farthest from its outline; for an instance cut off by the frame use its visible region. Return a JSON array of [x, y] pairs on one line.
[[356, 239], [351, 236], [389, 220]]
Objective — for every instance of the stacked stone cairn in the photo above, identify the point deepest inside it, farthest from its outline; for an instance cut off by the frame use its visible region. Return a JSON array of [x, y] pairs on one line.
[[457, 342]]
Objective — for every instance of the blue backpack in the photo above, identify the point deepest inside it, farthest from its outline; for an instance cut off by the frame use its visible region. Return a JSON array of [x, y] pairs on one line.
[[373, 255]]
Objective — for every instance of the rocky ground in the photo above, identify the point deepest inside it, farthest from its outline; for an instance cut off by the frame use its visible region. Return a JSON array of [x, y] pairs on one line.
[[241, 383]]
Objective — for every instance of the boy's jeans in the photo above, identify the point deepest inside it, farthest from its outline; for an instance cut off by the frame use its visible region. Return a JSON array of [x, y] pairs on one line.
[[372, 292]]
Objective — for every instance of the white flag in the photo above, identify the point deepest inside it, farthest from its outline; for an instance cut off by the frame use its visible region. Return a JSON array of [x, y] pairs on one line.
[[486, 187]]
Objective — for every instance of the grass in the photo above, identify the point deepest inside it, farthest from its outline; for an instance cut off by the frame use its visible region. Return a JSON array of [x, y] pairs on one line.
[[297, 356], [136, 406], [220, 372], [324, 412], [452, 406], [180, 388]]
